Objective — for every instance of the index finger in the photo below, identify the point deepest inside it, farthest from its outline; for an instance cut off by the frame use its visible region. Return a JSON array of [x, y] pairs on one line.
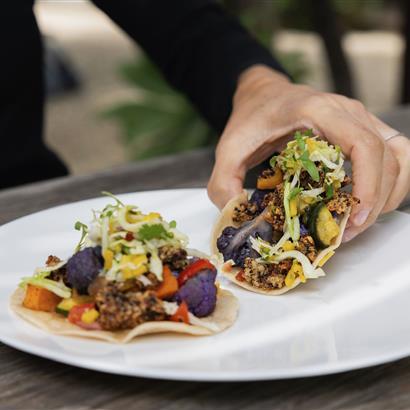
[[365, 149]]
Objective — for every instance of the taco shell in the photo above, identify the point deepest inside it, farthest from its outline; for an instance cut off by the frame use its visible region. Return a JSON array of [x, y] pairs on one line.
[[225, 313], [225, 219]]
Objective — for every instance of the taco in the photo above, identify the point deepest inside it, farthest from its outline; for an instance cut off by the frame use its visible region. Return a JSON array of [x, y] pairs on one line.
[[283, 234], [131, 274]]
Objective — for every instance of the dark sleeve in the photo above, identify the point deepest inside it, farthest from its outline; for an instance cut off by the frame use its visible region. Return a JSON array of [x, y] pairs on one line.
[[200, 49]]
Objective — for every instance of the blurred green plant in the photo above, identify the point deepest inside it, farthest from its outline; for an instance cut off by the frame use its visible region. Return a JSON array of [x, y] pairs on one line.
[[162, 121], [159, 120]]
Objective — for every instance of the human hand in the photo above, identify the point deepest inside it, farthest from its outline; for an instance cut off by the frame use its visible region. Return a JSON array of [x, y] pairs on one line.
[[267, 109]]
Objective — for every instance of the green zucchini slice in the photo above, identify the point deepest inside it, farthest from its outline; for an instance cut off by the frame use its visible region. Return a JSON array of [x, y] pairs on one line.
[[323, 226]]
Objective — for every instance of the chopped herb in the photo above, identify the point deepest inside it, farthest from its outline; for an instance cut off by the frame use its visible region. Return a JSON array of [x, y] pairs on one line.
[[173, 224], [154, 231]]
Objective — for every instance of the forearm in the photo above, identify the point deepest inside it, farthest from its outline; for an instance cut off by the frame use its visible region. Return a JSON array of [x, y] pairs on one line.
[[200, 49]]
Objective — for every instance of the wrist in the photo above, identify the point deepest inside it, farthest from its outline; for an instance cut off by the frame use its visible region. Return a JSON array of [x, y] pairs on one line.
[[261, 73]]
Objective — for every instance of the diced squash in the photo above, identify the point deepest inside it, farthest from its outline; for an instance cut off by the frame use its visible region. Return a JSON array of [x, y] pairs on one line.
[[169, 284], [108, 256], [270, 182], [37, 298]]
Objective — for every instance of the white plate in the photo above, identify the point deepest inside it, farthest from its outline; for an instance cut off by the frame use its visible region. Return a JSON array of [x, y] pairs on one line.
[[356, 316]]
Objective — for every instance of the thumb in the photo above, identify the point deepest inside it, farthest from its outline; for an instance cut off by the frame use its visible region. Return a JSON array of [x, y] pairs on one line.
[[226, 180]]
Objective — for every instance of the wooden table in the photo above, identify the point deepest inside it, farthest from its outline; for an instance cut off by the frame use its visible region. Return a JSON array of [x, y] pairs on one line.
[[29, 382]]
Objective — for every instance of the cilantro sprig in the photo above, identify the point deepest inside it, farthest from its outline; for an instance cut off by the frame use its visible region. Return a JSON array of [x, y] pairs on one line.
[[155, 231]]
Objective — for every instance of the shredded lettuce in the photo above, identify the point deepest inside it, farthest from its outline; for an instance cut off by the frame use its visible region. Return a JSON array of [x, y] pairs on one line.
[[41, 281]]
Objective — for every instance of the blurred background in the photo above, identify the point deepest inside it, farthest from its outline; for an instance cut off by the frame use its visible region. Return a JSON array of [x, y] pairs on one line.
[[107, 105]]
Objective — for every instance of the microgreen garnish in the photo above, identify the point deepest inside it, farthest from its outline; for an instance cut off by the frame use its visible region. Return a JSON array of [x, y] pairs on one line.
[[106, 193], [272, 161], [79, 226]]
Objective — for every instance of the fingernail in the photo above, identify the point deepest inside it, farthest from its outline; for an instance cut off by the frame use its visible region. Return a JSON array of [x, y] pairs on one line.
[[348, 235], [361, 217]]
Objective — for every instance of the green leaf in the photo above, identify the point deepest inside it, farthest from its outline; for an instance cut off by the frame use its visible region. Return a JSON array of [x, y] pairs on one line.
[[311, 169], [154, 231], [173, 224], [294, 192], [329, 191], [299, 139]]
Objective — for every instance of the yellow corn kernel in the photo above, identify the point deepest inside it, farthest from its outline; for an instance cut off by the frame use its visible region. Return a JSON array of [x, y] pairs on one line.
[[288, 246], [129, 273], [290, 279], [151, 216], [311, 145], [89, 316], [126, 259], [111, 227], [108, 256], [138, 259], [296, 271], [326, 258], [308, 199], [131, 216], [293, 207]]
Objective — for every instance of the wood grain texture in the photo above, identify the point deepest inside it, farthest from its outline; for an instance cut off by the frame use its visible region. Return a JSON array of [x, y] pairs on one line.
[[29, 382]]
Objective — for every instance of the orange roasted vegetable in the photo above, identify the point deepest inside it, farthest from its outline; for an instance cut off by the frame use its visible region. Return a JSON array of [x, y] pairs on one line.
[[169, 284], [37, 298], [181, 315], [268, 180]]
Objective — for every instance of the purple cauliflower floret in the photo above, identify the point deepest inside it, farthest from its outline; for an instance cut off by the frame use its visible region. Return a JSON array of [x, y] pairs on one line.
[[83, 267], [199, 293], [303, 230], [235, 244], [257, 198]]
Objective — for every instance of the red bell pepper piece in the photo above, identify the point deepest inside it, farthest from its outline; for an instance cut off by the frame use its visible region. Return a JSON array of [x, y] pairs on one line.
[[239, 276], [181, 315], [192, 269]]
